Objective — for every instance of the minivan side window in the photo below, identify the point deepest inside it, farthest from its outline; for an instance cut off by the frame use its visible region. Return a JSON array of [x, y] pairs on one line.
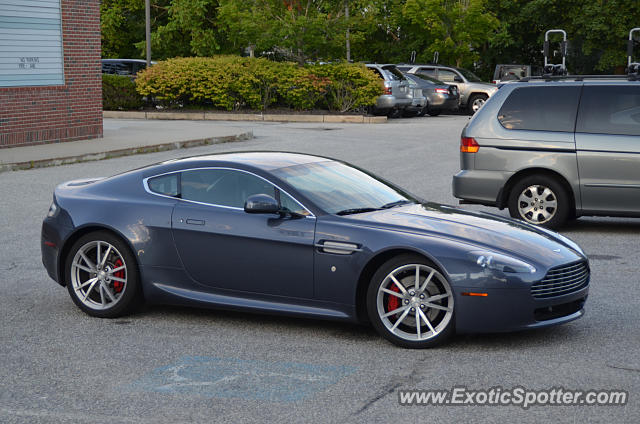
[[609, 110], [551, 108]]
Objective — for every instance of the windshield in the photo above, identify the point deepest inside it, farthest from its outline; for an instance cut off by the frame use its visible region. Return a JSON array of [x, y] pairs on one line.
[[341, 189], [429, 79], [469, 75]]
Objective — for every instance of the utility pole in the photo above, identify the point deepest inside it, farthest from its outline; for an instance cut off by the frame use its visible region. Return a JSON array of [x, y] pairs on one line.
[[147, 17], [346, 16]]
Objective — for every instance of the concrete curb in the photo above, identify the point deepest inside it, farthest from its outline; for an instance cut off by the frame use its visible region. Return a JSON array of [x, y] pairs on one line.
[[87, 157], [209, 116]]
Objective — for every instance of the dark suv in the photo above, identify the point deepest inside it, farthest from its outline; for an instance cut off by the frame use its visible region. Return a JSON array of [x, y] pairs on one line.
[[555, 149]]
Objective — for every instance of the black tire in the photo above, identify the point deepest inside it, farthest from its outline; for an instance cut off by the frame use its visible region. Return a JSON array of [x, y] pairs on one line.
[[434, 112], [559, 213], [443, 322], [395, 113], [423, 111], [473, 100], [126, 295]]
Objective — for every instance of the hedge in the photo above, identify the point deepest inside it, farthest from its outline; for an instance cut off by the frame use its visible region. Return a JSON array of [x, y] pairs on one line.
[[119, 93], [234, 83]]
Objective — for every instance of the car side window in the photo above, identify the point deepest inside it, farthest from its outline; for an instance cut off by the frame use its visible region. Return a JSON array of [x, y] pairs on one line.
[[228, 187], [609, 110], [446, 75], [551, 108], [224, 187], [166, 185], [430, 72]]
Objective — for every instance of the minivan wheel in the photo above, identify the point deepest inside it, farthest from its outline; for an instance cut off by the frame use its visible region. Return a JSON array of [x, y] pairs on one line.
[[476, 102], [539, 200], [411, 303]]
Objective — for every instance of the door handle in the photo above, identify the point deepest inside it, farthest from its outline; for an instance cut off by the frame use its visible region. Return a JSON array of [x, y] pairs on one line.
[[195, 221]]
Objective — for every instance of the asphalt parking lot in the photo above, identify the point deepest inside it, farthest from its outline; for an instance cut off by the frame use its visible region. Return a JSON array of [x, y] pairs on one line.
[[167, 364]]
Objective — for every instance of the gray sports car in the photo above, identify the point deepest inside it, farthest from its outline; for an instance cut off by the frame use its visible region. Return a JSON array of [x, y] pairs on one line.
[[308, 236]]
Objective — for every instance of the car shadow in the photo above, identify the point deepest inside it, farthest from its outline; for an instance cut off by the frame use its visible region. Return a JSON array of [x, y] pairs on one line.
[[351, 331], [339, 329]]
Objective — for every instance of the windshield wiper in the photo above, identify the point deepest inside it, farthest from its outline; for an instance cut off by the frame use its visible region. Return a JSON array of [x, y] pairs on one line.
[[394, 204], [356, 210]]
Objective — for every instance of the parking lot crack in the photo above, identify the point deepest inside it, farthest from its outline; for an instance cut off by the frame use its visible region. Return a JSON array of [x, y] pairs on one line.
[[623, 368]]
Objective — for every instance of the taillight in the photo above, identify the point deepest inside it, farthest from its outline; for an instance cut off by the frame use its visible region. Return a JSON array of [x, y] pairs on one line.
[[387, 90], [469, 145], [442, 90]]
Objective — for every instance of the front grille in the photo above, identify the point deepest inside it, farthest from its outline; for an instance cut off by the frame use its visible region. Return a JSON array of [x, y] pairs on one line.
[[562, 280]]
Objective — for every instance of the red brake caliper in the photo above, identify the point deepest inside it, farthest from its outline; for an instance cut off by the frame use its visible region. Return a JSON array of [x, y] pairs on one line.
[[393, 302], [118, 285]]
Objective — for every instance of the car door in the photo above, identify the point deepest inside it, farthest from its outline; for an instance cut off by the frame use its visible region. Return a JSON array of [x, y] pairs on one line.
[[608, 148], [223, 247]]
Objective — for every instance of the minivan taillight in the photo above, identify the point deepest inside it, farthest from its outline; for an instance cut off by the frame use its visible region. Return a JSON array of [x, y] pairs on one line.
[[469, 145], [387, 90]]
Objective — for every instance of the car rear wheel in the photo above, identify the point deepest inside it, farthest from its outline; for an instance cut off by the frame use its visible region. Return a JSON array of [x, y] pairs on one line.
[[101, 276], [410, 303], [540, 200], [476, 102], [432, 112]]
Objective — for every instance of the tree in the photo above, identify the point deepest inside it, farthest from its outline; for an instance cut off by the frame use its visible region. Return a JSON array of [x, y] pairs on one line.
[[301, 29], [456, 29]]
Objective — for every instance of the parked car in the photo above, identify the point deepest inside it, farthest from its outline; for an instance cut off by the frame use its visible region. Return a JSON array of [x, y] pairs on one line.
[[473, 91], [396, 95], [440, 96], [418, 96], [510, 73], [129, 67], [555, 150], [304, 235]]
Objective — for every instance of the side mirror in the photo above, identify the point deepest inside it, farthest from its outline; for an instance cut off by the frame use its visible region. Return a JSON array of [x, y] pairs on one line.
[[458, 79], [261, 203]]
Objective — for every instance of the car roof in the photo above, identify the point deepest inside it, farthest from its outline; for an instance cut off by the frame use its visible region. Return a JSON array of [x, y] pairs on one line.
[[261, 160]]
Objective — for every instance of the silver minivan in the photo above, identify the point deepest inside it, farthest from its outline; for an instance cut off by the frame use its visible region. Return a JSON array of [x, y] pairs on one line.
[[553, 150]]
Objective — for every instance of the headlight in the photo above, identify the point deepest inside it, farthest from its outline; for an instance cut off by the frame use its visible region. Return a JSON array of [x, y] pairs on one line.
[[53, 210], [499, 262]]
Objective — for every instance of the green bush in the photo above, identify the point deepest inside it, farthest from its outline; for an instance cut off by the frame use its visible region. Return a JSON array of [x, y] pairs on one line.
[[352, 86], [233, 83], [119, 93]]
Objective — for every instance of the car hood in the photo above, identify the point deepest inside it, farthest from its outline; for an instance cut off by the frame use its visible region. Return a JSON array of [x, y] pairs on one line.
[[484, 85], [483, 230]]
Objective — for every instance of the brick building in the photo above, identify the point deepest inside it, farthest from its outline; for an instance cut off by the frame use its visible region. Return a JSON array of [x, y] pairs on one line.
[[50, 74]]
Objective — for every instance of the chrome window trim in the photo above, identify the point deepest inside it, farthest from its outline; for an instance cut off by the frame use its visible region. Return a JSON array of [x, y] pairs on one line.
[[145, 183]]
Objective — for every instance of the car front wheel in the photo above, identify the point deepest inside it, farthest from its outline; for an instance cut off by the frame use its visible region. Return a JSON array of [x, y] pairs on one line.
[[410, 303], [476, 102], [101, 276], [539, 200]]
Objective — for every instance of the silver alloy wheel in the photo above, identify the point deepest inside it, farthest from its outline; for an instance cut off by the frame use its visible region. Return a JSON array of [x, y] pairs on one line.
[[477, 104], [537, 204], [415, 302], [99, 275]]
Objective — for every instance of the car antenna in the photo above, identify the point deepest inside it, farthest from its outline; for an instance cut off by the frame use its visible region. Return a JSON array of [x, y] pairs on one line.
[[551, 69]]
